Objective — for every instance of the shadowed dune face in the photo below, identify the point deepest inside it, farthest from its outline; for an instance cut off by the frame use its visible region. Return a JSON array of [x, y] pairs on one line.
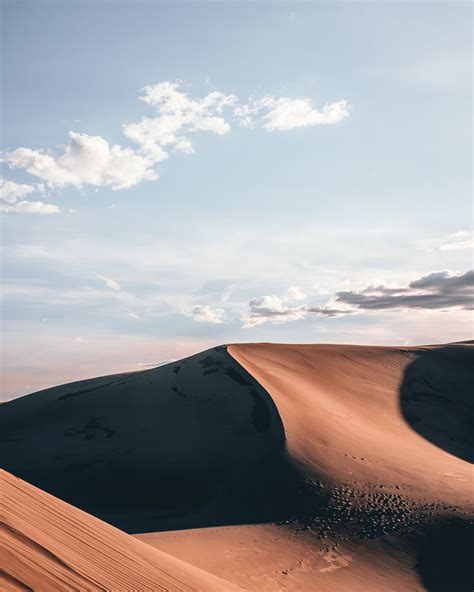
[[168, 447], [437, 398]]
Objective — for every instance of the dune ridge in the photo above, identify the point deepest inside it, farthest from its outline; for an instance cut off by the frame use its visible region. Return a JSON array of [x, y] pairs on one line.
[[273, 466], [50, 546]]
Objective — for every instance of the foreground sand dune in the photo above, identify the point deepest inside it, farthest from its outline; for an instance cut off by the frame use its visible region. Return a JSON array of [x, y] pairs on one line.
[[50, 546], [319, 467]]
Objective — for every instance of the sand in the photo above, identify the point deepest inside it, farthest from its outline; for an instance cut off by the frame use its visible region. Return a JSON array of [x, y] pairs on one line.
[[272, 466], [50, 546]]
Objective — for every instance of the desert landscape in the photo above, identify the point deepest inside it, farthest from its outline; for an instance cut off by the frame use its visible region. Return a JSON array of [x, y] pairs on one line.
[[237, 294], [248, 466]]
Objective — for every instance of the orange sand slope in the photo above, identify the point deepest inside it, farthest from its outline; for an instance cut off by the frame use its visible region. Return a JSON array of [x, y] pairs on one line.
[[380, 438], [398, 418], [48, 545]]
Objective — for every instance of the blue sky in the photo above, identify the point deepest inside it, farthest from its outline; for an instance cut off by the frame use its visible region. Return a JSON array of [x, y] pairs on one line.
[[314, 164]]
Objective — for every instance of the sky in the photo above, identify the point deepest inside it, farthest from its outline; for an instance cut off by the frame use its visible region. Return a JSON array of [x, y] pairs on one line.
[[186, 174]]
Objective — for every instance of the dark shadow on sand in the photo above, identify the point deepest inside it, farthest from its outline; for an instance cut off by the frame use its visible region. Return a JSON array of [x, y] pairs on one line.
[[437, 397], [445, 557]]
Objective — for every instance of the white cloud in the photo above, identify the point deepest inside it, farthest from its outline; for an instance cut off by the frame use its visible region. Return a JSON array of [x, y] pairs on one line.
[[11, 192], [294, 293], [206, 314], [155, 364], [112, 284], [458, 241], [285, 113], [30, 207], [271, 309], [178, 115], [288, 114], [91, 161], [86, 160]]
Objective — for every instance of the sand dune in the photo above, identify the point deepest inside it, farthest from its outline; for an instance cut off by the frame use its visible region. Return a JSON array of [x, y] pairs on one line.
[[50, 546], [318, 467]]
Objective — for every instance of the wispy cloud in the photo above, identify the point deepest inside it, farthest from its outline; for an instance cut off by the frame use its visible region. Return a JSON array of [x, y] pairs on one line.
[[286, 113], [272, 309], [110, 283], [206, 314], [458, 241], [11, 195]]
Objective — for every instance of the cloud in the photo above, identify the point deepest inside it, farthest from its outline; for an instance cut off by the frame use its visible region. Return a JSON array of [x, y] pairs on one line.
[[438, 290], [155, 364], [458, 241], [85, 160], [91, 161], [11, 192], [30, 207], [178, 115], [294, 293], [206, 314], [112, 284], [271, 309], [285, 113]]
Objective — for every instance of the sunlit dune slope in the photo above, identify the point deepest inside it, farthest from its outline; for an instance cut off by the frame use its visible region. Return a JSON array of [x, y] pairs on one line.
[[397, 417], [50, 546]]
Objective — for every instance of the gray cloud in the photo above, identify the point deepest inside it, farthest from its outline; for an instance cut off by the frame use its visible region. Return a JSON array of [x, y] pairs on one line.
[[438, 290], [435, 291], [271, 309]]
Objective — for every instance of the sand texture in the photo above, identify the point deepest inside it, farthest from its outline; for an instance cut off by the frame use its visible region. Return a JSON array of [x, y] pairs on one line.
[[271, 466], [50, 546]]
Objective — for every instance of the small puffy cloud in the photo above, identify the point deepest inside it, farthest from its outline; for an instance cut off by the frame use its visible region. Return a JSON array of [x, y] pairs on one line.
[[206, 314], [271, 309], [30, 207], [85, 160], [294, 293], [288, 114], [11, 192], [458, 241], [178, 115], [112, 284], [285, 113], [438, 290]]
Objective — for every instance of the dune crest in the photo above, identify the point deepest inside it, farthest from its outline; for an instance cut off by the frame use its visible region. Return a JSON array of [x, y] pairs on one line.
[[50, 546]]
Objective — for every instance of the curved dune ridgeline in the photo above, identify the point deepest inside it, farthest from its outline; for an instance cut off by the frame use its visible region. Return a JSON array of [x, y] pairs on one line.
[[50, 546], [172, 447], [272, 466]]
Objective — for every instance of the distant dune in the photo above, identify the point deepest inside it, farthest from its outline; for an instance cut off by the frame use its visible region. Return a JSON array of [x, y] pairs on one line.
[[318, 467]]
